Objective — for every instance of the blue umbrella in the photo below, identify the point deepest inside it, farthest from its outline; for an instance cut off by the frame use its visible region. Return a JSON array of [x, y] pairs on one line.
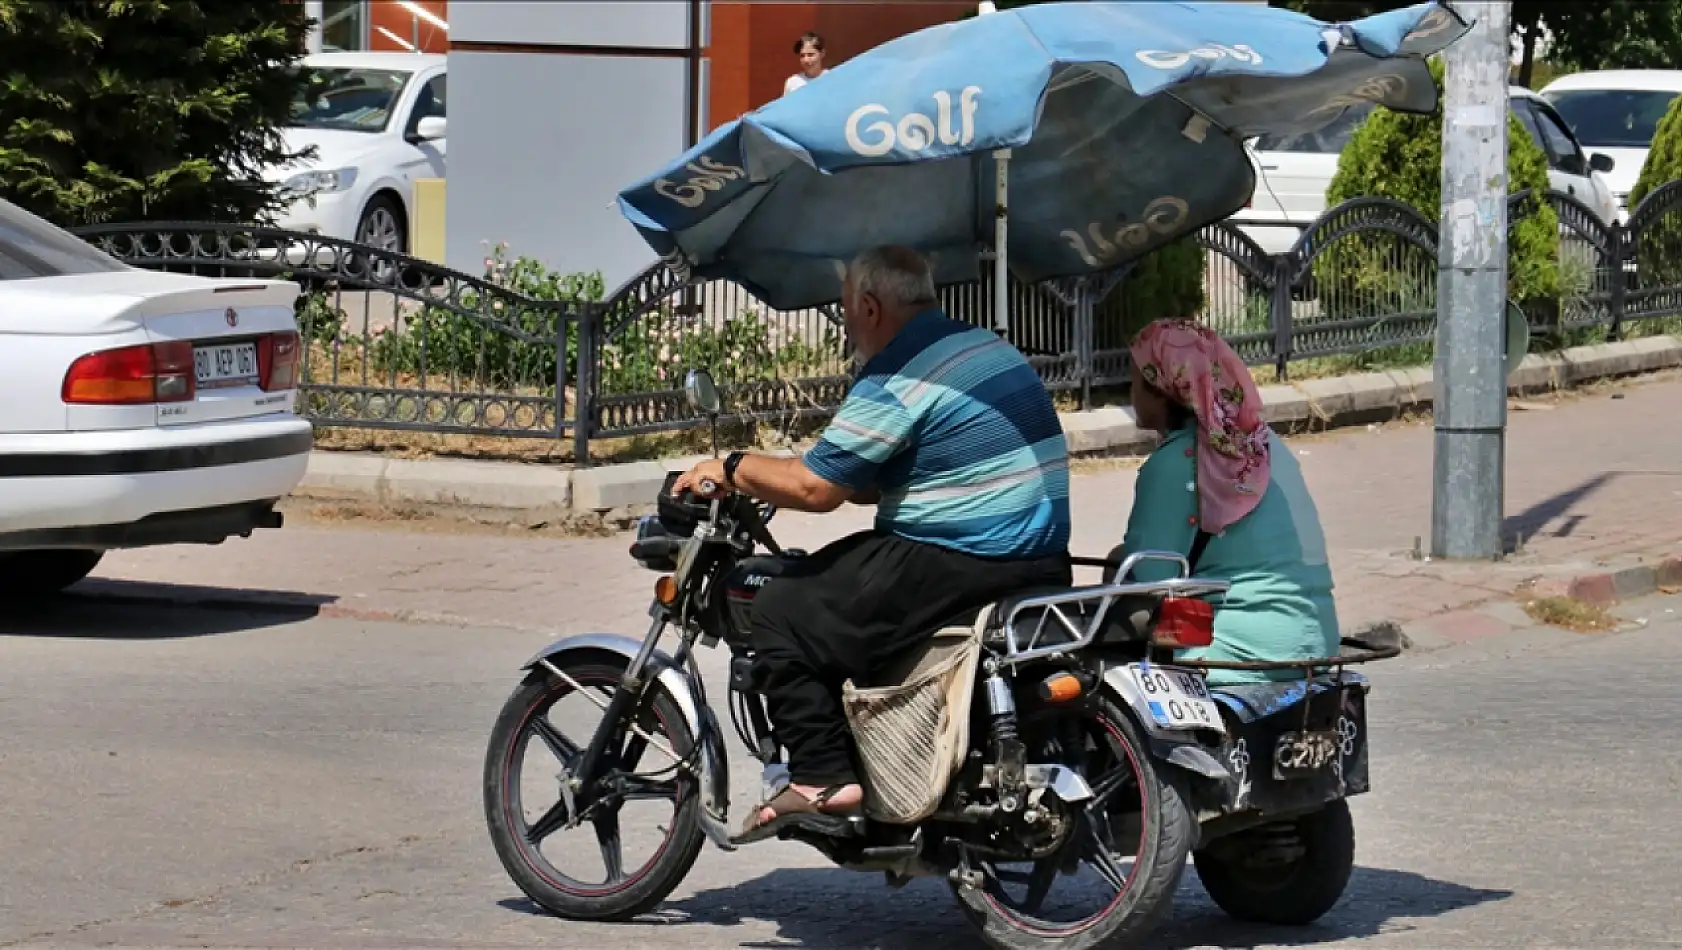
[[1112, 128]]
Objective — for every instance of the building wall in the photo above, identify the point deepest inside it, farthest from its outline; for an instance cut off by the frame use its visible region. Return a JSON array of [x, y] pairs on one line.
[[391, 16], [751, 46], [554, 108]]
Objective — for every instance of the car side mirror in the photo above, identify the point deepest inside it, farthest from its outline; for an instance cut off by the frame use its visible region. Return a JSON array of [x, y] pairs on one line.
[[430, 128], [1602, 163]]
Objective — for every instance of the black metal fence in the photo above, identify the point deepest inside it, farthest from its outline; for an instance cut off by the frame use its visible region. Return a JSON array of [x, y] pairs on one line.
[[395, 342]]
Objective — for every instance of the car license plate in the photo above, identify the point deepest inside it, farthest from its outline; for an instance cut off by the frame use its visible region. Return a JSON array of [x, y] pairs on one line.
[[1176, 698], [223, 365]]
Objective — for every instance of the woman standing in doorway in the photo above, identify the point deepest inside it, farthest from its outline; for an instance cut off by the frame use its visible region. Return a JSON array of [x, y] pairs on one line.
[[810, 50]]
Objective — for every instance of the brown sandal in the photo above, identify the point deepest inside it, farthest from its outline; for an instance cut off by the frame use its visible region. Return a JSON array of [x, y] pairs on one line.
[[790, 808]]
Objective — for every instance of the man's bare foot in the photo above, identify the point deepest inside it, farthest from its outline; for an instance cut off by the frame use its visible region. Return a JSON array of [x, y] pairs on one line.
[[844, 799]]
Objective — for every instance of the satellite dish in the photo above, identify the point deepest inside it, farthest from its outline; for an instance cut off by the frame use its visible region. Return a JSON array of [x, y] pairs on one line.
[[1518, 338]]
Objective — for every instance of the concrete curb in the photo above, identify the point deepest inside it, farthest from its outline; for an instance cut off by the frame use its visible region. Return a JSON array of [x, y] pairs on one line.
[[1312, 404], [1611, 587]]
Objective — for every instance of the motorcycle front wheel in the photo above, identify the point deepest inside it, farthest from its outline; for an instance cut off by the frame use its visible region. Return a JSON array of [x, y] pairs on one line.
[[531, 799], [1113, 878]]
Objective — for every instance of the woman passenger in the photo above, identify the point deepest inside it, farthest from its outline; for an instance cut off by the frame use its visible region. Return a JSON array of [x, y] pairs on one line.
[[1221, 471]]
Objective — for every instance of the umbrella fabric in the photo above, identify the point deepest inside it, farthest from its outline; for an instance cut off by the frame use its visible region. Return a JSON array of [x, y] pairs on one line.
[[1125, 121]]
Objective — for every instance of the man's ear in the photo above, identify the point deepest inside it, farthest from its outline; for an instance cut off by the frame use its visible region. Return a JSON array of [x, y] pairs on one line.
[[871, 306]]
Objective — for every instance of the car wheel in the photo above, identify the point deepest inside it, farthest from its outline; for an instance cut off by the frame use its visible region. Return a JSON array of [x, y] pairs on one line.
[[35, 574], [381, 226]]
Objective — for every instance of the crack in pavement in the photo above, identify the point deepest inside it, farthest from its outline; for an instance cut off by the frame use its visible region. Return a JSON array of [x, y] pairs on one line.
[[296, 867]]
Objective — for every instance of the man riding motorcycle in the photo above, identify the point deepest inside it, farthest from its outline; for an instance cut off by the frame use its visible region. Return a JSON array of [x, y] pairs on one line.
[[952, 435]]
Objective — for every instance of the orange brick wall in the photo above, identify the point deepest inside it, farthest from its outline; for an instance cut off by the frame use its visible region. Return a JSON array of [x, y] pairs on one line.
[[752, 42], [402, 22]]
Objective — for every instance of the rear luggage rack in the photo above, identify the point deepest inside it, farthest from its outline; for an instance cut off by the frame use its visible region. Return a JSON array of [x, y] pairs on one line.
[[1103, 596]]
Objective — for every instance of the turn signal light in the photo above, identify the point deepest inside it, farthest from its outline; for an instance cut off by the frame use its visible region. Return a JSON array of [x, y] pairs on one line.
[[1184, 622], [1061, 688], [665, 590], [132, 376], [277, 362]]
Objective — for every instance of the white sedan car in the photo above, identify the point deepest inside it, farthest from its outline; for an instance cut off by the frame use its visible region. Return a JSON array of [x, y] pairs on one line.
[[136, 407], [1294, 171], [377, 123]]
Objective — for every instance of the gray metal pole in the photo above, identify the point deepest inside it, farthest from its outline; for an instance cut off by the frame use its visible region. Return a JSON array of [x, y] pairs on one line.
[[1471, 387]]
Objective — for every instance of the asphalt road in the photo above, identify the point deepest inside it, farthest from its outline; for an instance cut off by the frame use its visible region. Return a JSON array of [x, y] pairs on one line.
[[180, 777]]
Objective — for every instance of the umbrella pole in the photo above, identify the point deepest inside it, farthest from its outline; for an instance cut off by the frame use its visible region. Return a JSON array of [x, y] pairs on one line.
[[1001, 217]]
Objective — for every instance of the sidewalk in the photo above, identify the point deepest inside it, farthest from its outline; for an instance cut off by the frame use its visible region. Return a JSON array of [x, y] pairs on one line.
[[1595, 480]]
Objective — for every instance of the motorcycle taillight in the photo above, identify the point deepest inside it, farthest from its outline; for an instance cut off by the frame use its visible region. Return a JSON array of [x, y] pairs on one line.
[[1184, 622]]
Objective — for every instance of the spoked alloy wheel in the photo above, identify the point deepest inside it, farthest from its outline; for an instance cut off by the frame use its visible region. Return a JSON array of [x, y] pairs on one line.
[[1113, 874], [381, 227], [569, 846]]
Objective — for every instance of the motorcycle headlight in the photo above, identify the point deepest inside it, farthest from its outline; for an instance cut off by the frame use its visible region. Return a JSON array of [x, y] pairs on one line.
[[305, 184]]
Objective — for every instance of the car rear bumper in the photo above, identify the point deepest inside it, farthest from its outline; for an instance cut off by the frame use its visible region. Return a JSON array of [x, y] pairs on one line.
[[106, 481], [198, 526]]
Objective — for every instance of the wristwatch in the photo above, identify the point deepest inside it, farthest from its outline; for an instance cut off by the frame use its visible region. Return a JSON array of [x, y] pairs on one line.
[[731, 463]]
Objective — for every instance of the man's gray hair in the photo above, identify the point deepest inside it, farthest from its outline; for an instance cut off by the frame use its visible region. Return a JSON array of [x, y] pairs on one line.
[[893, 274]]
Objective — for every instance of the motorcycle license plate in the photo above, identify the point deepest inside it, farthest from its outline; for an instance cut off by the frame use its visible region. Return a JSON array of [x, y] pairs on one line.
[[1176, 698], [1303, 754]]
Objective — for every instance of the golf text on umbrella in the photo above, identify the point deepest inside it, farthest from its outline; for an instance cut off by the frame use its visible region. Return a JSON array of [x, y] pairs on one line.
[[915, 131], [1162, 216], [1174, 59], [706, 174]]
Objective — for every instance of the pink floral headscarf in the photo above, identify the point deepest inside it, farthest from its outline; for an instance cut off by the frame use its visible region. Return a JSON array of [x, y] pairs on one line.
[[1196, 368]]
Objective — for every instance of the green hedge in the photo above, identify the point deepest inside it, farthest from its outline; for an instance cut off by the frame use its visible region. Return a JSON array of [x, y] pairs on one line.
[[1399, 156], [1659, 248]]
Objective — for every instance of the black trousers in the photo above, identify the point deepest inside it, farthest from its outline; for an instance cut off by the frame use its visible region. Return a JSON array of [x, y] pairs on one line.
[[847, 610]]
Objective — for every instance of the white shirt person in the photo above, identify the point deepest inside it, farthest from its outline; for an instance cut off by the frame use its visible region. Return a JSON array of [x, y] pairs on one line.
[[810, 50]]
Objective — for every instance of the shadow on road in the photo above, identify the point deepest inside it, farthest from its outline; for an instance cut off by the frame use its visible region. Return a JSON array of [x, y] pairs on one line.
[[1528, 524], [130, 610], [832, 908]]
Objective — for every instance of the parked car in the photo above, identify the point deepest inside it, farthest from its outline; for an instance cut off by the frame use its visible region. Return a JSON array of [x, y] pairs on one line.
[[377, 122], [1294, 171], [1615, 112], [137, 407]]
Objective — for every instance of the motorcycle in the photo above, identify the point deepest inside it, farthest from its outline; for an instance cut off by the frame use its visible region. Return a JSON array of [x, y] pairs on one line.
[[1050, 736]]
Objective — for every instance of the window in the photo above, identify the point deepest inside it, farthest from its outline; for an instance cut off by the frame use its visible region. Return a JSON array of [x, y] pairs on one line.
[[31, 247], [344, 25], [431, 101], [349, 100], [1562, 148], [1612, 118], [1527, 118], [1327, 141]]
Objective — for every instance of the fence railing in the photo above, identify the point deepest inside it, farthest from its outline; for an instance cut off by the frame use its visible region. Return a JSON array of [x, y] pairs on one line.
[[394, 342]]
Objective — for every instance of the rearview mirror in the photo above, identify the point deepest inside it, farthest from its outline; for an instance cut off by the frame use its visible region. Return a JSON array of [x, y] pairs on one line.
[[1601, 162], [702, 393], [431, 128]]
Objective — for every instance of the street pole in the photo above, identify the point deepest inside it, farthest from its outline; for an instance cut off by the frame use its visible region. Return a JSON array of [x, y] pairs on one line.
[[1470, 408]]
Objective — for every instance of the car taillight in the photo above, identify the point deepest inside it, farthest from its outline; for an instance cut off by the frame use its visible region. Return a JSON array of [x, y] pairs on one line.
[[277, 361], [133, 375], [1184, 622]]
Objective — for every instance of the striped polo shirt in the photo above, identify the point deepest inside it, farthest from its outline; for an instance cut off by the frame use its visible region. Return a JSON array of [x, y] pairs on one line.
[[959, 434]]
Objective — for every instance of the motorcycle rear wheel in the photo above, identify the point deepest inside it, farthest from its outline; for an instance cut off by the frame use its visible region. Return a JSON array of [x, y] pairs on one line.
[[620, 896], [1289, 894], [1165, 828]]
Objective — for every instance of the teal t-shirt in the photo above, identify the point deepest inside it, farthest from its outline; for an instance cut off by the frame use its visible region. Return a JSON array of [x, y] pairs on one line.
[[1280, 605]]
